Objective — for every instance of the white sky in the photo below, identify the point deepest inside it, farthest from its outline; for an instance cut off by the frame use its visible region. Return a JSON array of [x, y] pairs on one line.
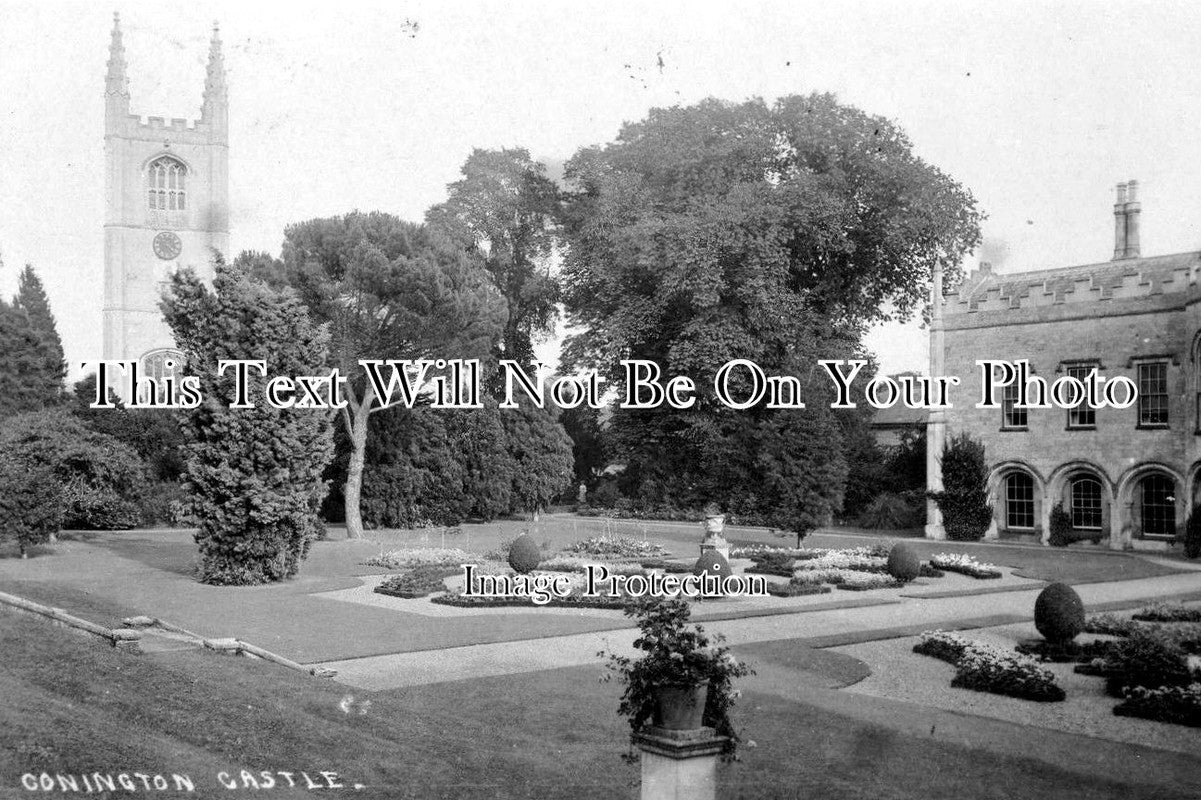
[[1038, 107]]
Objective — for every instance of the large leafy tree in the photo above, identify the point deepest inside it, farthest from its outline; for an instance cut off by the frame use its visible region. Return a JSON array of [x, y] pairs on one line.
[[387, 289], [254, 474], [506, 208], [31, 353], [776, 233], [100, 479]]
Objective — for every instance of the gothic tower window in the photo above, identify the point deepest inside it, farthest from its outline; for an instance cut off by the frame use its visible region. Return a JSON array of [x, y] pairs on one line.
[[166, 185], [158, 365]]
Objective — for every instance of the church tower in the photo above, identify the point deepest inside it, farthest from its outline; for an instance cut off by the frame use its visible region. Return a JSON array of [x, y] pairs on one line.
[[166, 207]]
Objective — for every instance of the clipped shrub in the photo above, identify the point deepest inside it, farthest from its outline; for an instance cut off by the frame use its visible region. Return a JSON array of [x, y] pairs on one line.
[[712, 563], [1060, 530], [1192, 534], [524, 555], [1059, 613], [31, 506], [904, 563]]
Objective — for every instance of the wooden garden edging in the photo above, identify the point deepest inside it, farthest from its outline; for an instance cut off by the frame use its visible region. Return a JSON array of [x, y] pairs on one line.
[[121, 638], [230, 646]]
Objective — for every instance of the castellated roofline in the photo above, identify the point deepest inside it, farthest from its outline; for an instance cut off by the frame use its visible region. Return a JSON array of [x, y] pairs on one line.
[[1128, 279], [154, 127]]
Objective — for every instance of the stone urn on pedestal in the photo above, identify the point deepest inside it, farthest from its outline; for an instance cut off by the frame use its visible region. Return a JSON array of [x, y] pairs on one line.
[[682, 680], [714, 523]]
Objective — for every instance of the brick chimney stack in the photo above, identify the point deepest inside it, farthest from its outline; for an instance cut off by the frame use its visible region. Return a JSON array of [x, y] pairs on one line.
[[1119, 224], [1126, 213], [1133, 210]]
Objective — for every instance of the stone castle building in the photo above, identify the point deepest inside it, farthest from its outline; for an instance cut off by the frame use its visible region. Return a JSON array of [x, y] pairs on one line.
[[166, 207], [1129, 476]]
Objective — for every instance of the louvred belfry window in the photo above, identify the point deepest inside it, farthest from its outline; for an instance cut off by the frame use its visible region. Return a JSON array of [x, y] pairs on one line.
[[166, 179]]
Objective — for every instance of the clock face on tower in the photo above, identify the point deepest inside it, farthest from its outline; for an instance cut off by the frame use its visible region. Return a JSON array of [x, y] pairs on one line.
[[167, 245]]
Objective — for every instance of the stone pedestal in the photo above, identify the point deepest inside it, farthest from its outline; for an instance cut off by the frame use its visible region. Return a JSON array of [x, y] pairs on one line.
[[679, 765], [717, 543], [713, 525]]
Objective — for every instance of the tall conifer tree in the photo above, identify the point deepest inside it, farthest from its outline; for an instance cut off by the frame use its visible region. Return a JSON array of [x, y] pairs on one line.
[[31, 354], [31, 296]]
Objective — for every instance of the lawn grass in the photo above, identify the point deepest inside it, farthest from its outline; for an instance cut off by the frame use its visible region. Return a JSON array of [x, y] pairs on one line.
[[71, 706]]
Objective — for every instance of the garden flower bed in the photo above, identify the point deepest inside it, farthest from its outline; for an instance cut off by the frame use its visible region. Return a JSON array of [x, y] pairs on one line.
[[617, 547], [794, 589], [1150, 658], [1166, 612], [1180, 705], [943, 645], [1111, 625], [432, 556], [420, 581], [964, 565], [857, 581], [780, 570], [984, 668], [987, 669], [1083, 652], [575, 564], [845, 560]]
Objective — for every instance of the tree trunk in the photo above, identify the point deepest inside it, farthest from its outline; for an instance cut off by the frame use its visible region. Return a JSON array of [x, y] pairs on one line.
[[353, 489]]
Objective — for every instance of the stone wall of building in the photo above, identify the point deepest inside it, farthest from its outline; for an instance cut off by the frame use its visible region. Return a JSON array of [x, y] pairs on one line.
[[1115, 315]]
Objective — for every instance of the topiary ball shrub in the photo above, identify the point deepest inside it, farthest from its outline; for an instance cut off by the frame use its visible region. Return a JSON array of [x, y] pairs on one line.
[[1059, 613], [904, 563], [712, 563], [524, 555]]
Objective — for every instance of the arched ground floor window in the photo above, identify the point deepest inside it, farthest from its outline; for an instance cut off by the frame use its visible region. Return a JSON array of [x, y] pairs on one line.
[[1086, 504], [1019, 501], [1156, 499]]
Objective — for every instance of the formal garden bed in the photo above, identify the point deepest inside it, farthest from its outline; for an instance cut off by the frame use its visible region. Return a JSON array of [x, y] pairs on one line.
[[793, 572], [1152, 668], [985, 668], [964, 565]]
